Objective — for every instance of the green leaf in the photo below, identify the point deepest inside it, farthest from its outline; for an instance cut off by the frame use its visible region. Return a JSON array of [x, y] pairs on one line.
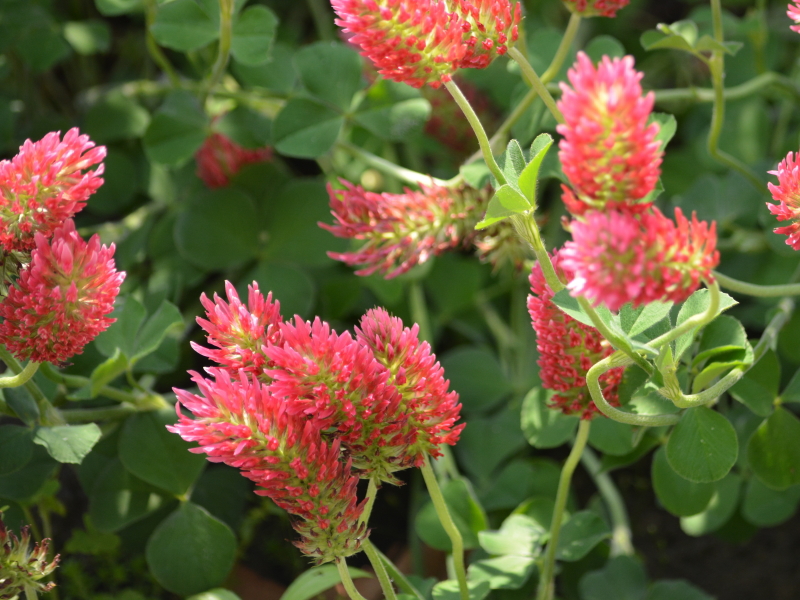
[[765, 507], [530, 174], [697, 304], [177, 130], [476, 374], [23, 484], [545, 427], [157, 456], [511, 200], [792, 391], [68, 443], [41, 45], [476, 175], [623, 578], [656, 40], [703, 446], [306, 128], [219, 229], [397, 121], [291, 286], [107, 371], [16, 448], [118, 499], [113, 8], [246, 127], [611, 437], [667, 126], [215, 594], [277, 74], [313, 582], [502, 573], [512, 162], [167, 318], [22, 404], [122, 177], [679, 496], [88, 37], [774, 450], [758, 389], [253, 33], [449, 590], [570, 305], [466, 512], [481, 460], [604, 45], [719, 510], [184, 26], [724, 334], [709, 44], [116, 117], [637, 320], [191, 551], [519, 535], [582, 532], [330, 72], [676, 589]]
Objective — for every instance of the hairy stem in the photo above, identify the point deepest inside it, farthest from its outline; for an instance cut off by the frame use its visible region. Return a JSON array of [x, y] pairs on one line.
[[20, 378], [380, 570], [694, 322], [372, 492], [760, 291], [533, 79], [347, 581]]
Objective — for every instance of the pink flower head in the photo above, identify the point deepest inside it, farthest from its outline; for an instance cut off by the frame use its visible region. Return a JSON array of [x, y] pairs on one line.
[[596, 8], [335, 381], [609, 152], [793, 12], [238, 331], [787, 192], [567, 350], [432, 410], [237, 421], [220, 158], [402, 230], [61, 301], [44, 185], [494, 24], [618, 257]]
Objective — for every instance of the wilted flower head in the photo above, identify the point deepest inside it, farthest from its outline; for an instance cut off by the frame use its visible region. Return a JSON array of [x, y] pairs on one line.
[[596, 8], [23, 568], [401, 230], [238, 331], [609, 153], [237, 421], [44, 185], [618, 257], [61, 301], [220, 158], [431, 409], [787, 192], [567, 350], [793, 12]]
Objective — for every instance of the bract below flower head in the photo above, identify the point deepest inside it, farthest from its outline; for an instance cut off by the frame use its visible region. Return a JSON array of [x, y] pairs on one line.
[[793, 12], [596, 8], [62, 300], [618, 257], [787, 193], [44, 185], [567, 349], [609, 152], [220, 158]]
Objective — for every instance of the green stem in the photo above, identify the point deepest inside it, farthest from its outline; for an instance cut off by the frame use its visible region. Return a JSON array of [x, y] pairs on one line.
[[694, 322], [323, 19], [546, 583], [450, 528], [380, 570], [760, 291], [770, 336], [388, 167], [152, 47], [477, 127], [20, 378], [77, 381], [748, 88], [372, 492], [419, 312], [349, 586], [621, 543], [526, 227], [563, 48], [403, 584], [619, 359], [533, 79], [89, 415], [48, 414], [224, 50]]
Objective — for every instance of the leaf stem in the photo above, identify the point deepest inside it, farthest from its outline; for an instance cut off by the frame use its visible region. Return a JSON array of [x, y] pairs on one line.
[[48, 414], [152, 46], [91, 415], [380, 570], [563, 48], [621, 543], [77, 381], [349, 586], [759, 291], [224, 51], [546, 583], [533, 79], [20, 378], [694, 322]]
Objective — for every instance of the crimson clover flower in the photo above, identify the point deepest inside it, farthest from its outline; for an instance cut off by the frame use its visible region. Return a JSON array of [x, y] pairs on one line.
[[220, 158], [23, 568], [62, 299], [596, 8], [45, 184], [787, 193], [401, 230], [567, 349], [239, 422], [493, 25], [609, 152], [793, 12], [431, 408], [617, 257]]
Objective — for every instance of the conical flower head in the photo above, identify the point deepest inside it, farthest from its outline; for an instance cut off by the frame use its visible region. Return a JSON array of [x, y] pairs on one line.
[[567, 350], [238, 331], [220, 158], [793, 12], [402, 230], [23, 568], [237, 421], [609, 152], [432, 410], [62, 299], [493, 27], [337, 381], [787, 193], [618, 257], [45, 184], [596, 8]]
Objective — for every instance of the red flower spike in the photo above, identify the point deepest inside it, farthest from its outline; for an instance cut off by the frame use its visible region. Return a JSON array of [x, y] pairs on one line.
[[237, 421], [23, 568], [402, 230], [220, 158], [567, 350], [337, 382], [793, 12], [44, 185], [432, 410], [61, 300], [494, 25], [596, 8], [240, 331], [618, 257], [787, 193], [609, 153]]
